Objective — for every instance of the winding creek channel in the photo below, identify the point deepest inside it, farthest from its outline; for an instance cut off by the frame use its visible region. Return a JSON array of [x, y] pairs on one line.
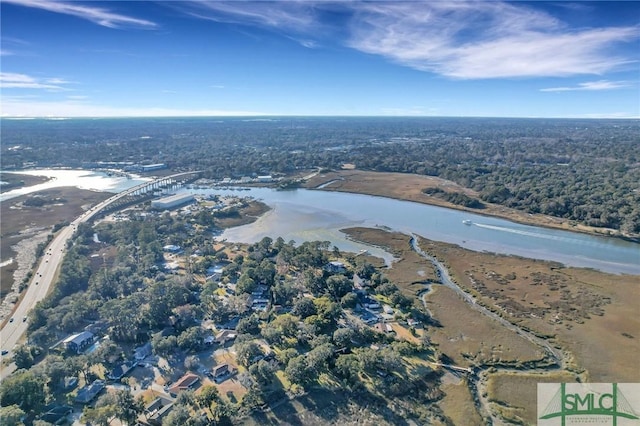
[[554, 359]]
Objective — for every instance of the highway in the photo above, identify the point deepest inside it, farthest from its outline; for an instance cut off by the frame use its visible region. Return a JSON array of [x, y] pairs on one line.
[[44, 274]]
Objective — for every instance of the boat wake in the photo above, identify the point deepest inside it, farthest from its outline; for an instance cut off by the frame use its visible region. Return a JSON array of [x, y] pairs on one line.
[[536, 234]]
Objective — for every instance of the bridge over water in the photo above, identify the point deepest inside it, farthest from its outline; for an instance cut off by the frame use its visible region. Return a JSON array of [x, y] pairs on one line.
[[166, 183], [45, 272]]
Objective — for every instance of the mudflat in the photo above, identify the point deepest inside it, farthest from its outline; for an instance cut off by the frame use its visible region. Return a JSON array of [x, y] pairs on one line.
[[22, 219]]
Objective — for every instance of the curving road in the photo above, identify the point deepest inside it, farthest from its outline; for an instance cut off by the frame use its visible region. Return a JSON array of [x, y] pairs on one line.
[[45, 272]]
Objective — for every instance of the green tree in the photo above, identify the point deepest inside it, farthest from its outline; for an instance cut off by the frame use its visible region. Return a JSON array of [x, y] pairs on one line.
[[304, 307], [245, 284], [191, 363], [164, 346], [348, 367], [207, 396], [128, 409], [12, 415], [191, 339], [343, 337], [262, 372], [318, 358], [338, 286], [298, 371], [23, 356], [249, 325], [246, 352], [23, 388], [101, 416], [365, 270], [349, 300]]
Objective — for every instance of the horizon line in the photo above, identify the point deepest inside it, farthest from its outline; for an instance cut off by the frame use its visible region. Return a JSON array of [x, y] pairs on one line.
[[266, 116]]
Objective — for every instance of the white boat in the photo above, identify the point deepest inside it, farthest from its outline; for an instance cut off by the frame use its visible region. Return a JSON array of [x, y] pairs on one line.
[[467, 222]]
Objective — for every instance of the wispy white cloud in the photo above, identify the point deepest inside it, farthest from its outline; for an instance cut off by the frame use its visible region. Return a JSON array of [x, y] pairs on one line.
[[287, 15], [480, 40], [217, 86], [457, 39], [23, 107], [9, 80], [94, 14], [589, 85]]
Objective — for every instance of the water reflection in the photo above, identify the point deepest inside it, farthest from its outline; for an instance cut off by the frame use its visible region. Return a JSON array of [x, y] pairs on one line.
[[83, 179]]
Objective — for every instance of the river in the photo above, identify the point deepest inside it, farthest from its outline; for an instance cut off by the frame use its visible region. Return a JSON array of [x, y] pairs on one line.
[[305, 215], [302, 215], [83, 179]]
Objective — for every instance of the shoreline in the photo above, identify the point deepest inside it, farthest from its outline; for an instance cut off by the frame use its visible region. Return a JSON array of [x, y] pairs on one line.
[[409, 188]]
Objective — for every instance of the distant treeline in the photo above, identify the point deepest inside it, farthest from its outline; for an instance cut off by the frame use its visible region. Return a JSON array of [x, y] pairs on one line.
[[583, 170]]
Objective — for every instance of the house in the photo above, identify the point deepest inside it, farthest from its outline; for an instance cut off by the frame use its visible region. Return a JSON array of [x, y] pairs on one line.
[[141, 352], [387, 309], [79, 342], [383, 327], [214, 273], [221, 372], [186, 382], [225, 336], [156, 411], [171, 248], [56, 414], [121, 370], [229, 325], [69, 382], [89, 392], [335, 267], [413, 322], [369, 318]]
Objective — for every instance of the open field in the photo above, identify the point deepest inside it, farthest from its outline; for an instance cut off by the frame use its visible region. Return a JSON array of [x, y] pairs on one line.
[[409, 187], [469, 337], [20, 222], [457, 405], [590, 314], [515, 395]]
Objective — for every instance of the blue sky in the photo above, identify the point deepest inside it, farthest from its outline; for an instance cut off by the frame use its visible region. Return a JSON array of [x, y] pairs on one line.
[[448, 58]]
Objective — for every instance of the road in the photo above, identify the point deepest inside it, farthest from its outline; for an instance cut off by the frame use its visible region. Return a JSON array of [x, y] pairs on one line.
[[45, 272]]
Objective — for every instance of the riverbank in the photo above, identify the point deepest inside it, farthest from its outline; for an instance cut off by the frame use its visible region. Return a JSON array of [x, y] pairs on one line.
[[16, 180], [409, 187]]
